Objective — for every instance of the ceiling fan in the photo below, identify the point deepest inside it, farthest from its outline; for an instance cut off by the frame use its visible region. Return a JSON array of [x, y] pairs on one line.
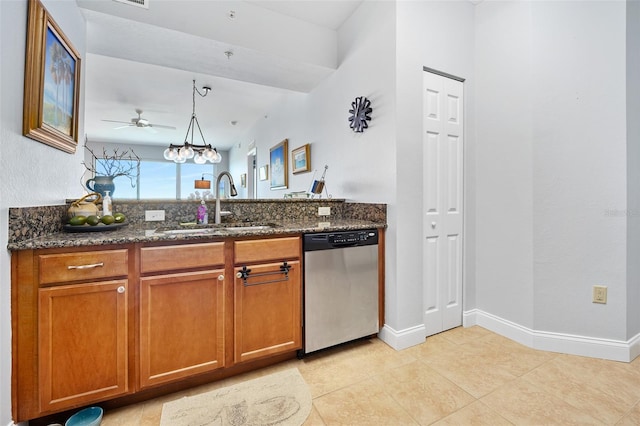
[[139, 122]]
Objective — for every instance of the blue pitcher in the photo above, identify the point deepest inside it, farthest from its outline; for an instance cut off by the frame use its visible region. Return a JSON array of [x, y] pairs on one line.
[[101, 184]]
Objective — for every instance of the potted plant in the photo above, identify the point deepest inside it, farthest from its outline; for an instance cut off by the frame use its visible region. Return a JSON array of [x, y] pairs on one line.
[[108, 166]]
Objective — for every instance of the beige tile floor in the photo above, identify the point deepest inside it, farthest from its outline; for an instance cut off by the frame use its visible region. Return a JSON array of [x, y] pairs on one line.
[[465, 376]]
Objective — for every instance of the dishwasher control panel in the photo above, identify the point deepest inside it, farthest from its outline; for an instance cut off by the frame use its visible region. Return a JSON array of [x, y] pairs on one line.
[[329, 240], [350, 237]]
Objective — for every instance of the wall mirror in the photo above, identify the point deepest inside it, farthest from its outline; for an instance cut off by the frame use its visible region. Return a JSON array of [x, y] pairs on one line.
[[157, 71]]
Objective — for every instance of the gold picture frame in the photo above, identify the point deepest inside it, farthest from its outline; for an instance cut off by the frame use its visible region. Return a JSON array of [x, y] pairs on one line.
[[301, 159], [279, 166], [51, 83]]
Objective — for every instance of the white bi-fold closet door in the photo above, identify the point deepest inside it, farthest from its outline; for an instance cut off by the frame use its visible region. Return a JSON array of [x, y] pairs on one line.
[[443, 166]]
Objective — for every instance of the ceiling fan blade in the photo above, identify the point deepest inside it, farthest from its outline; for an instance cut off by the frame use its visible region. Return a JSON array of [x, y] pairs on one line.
[[117, 121], [122, 127], [150, 129], [160, 126], [139, 121]]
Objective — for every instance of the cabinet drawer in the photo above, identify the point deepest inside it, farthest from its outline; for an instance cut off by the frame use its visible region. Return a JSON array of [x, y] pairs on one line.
[[267, 250], [168, 258], [86, 265]]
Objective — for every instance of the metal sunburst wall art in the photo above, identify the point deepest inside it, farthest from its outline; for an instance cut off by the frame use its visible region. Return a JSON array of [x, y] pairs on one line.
[[360, 113]]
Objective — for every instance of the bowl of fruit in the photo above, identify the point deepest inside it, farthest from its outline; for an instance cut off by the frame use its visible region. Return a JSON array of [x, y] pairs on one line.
[[93, 223]]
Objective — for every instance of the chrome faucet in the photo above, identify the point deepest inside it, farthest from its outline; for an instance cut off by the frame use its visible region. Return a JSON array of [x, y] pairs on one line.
[[232, 192]]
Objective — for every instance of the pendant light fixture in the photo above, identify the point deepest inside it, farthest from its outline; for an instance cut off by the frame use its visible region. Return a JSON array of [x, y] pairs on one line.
[[201, 153], [202, 183]]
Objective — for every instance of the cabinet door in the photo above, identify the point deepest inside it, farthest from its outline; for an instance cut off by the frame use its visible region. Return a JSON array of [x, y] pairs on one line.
[[83, 343], [181, 325], [268, 311]]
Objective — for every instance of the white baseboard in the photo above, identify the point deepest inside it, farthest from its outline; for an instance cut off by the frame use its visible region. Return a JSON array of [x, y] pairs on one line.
[[505, 328], [594, 347], [402, 339], [634, 342]]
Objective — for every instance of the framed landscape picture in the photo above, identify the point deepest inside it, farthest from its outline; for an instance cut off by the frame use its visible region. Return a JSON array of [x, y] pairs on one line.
[[301, 159], [52, 83], [278, 165]]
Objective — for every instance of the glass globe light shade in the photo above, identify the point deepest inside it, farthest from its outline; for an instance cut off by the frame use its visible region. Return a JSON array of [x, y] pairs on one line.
[[199, 159], [189, 152], [170, 154], [180, 158], [218, 158], [186, 151], [209, 154]]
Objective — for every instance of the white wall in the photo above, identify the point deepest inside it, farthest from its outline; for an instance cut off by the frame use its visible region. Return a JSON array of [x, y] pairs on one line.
[[31, 173], [579, 155], [504, 209], [551, 162], [633, 167]]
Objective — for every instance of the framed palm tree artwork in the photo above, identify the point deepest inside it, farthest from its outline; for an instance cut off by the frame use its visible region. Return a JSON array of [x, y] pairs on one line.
[[52, 82]]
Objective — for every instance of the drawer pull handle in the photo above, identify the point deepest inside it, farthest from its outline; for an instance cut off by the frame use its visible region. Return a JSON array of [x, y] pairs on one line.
[[89, 266], [220, 277], [121, 289], [245, 272]]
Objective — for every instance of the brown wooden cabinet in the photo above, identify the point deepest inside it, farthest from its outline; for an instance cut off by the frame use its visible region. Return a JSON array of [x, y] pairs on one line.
[[267, 298], [92, 324], [82, 340], [181, 313], [72, 327]]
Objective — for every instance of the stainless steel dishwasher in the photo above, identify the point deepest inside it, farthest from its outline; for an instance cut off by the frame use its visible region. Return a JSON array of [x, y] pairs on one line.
[[340, 287]]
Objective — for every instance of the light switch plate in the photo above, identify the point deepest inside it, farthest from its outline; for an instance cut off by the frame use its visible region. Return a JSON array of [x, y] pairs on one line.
[[153, 215], [324, 211]]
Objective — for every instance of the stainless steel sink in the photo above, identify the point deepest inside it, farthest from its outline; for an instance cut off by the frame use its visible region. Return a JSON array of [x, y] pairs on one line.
[[247, 228], [214, 229], [194, 231]]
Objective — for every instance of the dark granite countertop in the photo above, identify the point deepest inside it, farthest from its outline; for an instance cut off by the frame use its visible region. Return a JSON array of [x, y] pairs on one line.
[[136, 233]]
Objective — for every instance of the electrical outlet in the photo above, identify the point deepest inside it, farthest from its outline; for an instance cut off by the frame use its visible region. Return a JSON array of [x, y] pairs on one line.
[[324, 211], [153, 215], [599, 294]]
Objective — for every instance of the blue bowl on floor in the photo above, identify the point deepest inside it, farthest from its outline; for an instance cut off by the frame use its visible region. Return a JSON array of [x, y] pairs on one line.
[[91, 416]]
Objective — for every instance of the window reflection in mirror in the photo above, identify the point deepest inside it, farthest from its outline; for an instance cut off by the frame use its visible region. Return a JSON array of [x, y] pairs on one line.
[[159, 178]]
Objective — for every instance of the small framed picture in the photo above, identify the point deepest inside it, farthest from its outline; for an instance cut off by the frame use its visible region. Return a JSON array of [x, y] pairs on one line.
[[243, 180], [301, 159], [264, 172]]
